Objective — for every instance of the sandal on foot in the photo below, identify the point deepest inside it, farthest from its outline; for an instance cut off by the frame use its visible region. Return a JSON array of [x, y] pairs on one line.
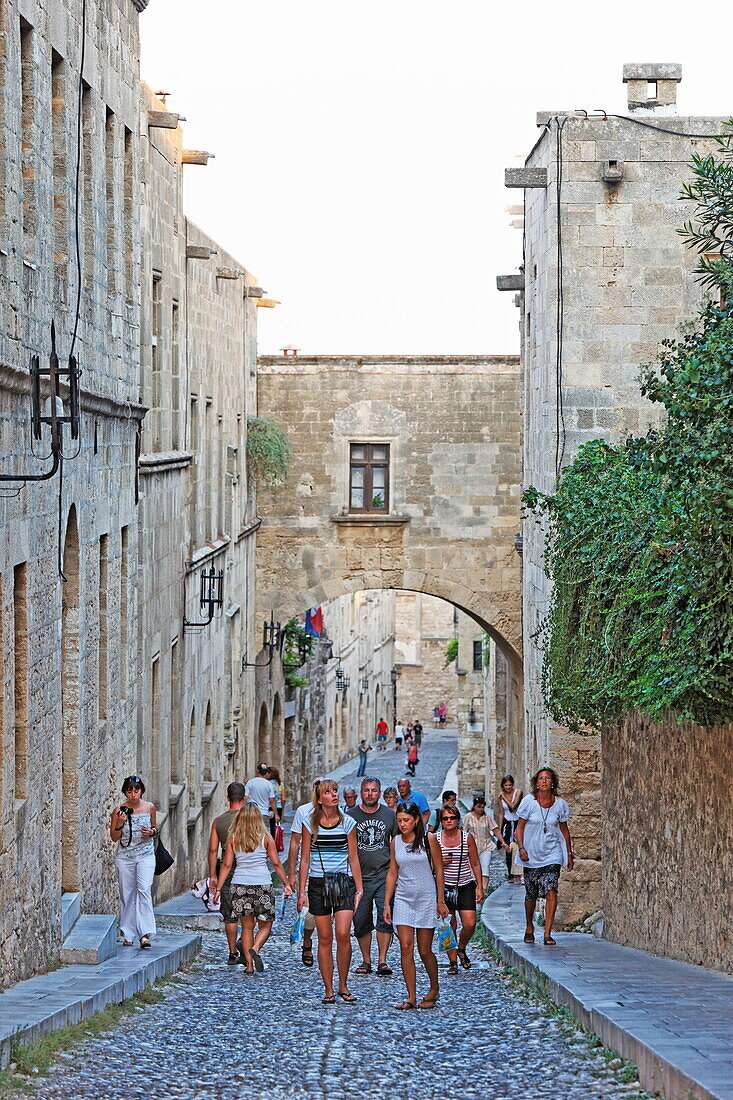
[[145, 941], [549, 942], [234, 958], [329, 1000], [306, 956], [405, 1005], [464, 960], [127, 943], [529, 937], [384, 969], [428, 1002], [348, 997], [363, 968], [452, 969], [257, 960]]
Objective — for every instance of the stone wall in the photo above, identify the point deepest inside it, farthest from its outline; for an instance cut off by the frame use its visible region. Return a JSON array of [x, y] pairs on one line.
[[68, 546], [626, 284], [667, 837], [200, 715]]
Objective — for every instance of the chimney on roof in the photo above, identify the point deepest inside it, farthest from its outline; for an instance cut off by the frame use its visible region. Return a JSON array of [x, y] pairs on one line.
[[652, 87]]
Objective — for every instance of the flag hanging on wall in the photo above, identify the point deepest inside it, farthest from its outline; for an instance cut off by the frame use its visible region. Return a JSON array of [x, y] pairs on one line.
[[314, 622]]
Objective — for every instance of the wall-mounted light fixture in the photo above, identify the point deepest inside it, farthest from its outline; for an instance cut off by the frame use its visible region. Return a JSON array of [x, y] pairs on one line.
[[342, 681], [211, 597], [272, 642], [364, 685]]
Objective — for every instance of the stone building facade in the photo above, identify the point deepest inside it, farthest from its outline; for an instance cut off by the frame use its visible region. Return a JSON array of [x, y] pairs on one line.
[[198, 707], [605, 278], [68, 545]]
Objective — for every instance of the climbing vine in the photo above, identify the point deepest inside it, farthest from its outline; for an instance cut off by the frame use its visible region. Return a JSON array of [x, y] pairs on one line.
[[295, 635], [640, 534], [451, 652], [268, 451]]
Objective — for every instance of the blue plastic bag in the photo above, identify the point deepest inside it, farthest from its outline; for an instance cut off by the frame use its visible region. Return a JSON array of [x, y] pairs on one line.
[[296, 932], [446, 937]]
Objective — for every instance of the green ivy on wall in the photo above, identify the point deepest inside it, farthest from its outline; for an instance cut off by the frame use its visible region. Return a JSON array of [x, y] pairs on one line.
[[268, 451], [640, 534]]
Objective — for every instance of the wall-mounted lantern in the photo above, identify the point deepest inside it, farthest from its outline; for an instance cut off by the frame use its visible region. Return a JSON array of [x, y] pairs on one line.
[[363, 690], [211, 597], [272, 641], [342, 681]]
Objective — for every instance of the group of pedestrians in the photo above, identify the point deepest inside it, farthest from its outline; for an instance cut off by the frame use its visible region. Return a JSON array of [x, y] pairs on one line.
[[384, 866], [411, 734]]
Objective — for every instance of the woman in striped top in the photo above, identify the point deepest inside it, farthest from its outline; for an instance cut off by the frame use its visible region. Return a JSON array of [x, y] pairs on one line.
[[463, 881], [330, 863]]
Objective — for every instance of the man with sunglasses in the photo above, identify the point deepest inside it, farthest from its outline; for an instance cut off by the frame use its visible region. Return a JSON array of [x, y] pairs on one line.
[[375, 826]]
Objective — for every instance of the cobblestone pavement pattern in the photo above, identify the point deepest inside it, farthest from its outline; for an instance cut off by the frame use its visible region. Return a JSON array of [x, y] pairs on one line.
[[221, 1033]]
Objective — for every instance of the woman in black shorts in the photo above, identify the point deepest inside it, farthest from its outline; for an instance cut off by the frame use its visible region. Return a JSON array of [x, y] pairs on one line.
[[463, 882], [330, 863]]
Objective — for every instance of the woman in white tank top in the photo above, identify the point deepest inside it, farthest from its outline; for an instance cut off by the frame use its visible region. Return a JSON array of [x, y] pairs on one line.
[[248, 850], [509, 799]]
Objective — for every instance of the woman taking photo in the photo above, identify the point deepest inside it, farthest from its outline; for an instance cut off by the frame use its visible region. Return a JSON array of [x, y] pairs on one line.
[[481, 826], [132, 825], [249, 846], [415, 880], [544, 847], [509, 799], [463, 889], [330, 863]]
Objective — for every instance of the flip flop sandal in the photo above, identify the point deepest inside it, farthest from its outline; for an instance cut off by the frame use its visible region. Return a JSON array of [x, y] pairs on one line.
[[329, 1000], [348, 997], [306, 957], [549, 942], [452, 969], [428, 1002], [405, 1005], [465, 961], [364, 968], [257, 960], [145, 941], [384, 969], [127, 943], [528, 937]]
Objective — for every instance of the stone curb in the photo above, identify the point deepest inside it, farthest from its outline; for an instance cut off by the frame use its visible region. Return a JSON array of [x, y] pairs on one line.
[[655, 1012], [33, 1008]]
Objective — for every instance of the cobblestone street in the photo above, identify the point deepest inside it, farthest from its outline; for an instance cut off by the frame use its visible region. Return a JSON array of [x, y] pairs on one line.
[[222, 1033]]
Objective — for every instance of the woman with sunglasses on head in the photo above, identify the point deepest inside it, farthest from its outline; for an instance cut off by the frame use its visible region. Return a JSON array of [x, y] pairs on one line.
[[133, 827], [463, 886], [329, 862], [415, 882]]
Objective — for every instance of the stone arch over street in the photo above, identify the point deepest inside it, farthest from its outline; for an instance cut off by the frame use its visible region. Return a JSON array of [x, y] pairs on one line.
[[450, 427]]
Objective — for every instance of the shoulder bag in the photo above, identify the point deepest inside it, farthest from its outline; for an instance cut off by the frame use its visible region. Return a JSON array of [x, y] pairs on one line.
[[163, 859], [336, 886]]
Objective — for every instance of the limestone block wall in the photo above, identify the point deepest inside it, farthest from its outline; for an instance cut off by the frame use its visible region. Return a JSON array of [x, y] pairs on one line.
[[667, 835], [452, 424], [626, 283], [68, 546], [199, 718]]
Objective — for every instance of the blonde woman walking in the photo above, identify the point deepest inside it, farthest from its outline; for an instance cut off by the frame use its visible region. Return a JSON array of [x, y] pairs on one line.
[[329, 863], [248, 849]]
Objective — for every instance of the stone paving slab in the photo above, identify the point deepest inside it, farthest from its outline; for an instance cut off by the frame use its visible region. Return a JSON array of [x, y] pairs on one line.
[[30, 1009], [675, 1021]]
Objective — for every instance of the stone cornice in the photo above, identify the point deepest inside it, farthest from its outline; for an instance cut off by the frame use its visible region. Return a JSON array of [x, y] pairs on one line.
[[141, 5], [18, 381]]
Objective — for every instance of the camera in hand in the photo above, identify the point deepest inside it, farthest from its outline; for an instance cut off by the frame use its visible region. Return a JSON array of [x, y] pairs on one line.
[[126, 810]]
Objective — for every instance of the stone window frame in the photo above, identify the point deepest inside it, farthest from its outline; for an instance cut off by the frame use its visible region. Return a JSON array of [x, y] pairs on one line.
[[370, 421], [368, 463]]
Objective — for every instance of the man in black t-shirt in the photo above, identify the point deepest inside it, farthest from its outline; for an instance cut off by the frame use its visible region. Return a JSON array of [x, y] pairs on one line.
[[375, 826], [417, 732]]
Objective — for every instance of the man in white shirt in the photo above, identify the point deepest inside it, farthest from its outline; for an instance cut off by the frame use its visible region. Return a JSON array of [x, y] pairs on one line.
[[296, 829], [259, 791]]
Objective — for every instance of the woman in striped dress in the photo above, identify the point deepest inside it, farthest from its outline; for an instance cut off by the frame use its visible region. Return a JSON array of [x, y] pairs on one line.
[[329, 862], [463, 882]]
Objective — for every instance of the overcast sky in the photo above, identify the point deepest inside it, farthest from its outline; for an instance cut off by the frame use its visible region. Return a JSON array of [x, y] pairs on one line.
[[360, 147]]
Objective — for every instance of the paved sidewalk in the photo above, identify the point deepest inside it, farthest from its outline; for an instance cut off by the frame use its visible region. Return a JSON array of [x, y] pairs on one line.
[[30, 1009], [673, 1020]]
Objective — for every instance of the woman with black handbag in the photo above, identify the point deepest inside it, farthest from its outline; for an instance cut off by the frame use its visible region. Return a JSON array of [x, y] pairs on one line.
[[330, 864], [133, 826], [463, 882]]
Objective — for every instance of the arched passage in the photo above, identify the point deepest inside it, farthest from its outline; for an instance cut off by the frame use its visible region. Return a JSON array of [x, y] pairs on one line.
[[70, 786], [263, 737]]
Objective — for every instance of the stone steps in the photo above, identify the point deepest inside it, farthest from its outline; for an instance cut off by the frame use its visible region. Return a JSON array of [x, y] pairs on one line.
[[70, 912], [92, 940]]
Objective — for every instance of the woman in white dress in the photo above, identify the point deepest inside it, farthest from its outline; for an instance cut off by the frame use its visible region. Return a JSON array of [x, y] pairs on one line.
[[544, 847], [415, 881]]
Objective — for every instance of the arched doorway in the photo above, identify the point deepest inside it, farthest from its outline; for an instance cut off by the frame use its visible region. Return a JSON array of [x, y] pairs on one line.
[[208, 745], [70, 787], [263, 738], [277, 751]]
